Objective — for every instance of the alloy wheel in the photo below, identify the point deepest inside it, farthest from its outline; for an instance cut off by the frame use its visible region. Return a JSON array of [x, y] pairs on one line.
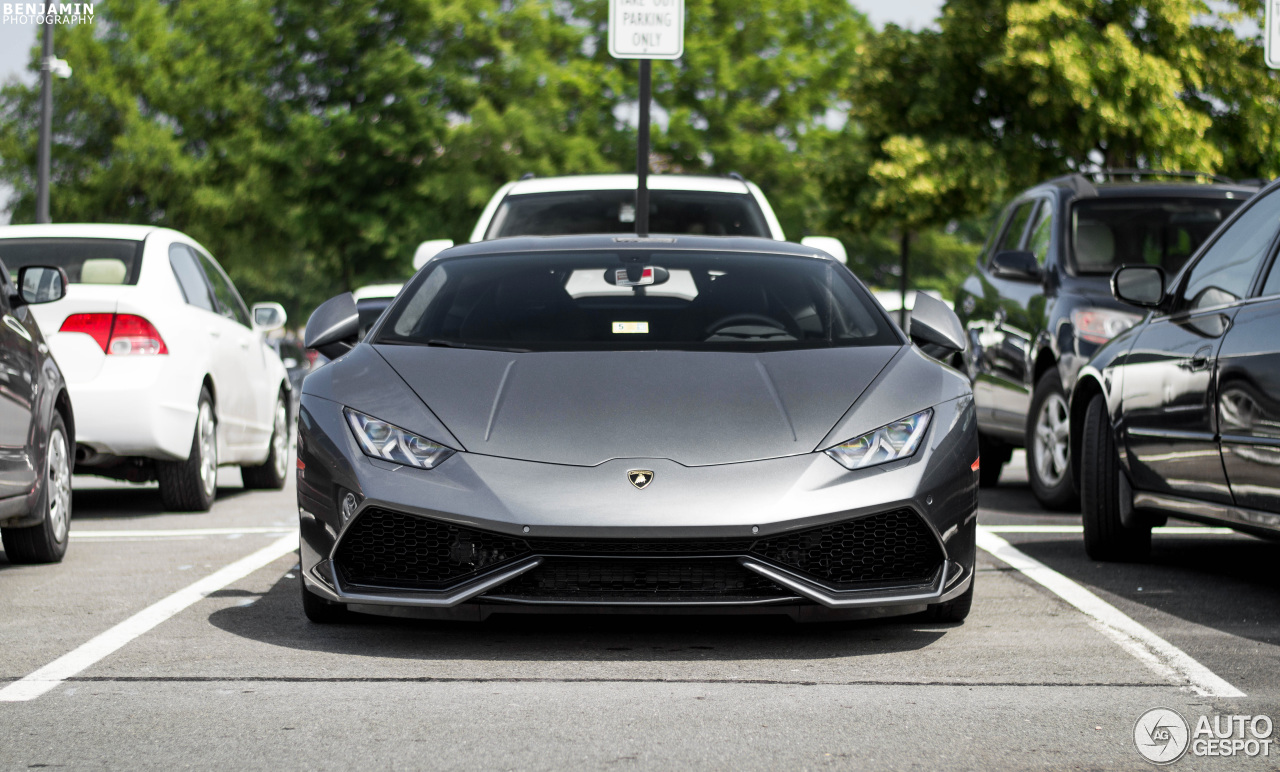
[[208, 449], [280, 439], [1051, 450], [58, 482]]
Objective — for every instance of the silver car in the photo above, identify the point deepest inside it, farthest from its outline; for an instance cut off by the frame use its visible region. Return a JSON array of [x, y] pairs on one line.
[[680, 423]]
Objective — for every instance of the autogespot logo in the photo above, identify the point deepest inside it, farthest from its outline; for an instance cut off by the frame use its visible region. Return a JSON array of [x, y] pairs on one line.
[[1161, 735]]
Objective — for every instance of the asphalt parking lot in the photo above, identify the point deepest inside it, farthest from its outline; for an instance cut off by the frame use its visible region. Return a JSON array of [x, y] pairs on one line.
[[177, 641]]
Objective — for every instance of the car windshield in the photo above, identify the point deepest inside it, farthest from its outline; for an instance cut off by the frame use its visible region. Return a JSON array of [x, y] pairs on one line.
[[1108, 233], [614, 211], [653, 300], [86, 261]]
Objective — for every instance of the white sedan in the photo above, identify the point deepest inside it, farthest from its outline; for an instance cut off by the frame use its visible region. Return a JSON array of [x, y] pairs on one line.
[[166, 366]]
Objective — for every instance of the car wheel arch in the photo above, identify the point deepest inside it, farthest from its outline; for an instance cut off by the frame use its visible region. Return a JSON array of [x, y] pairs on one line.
[[62, 404], [1085, 390]]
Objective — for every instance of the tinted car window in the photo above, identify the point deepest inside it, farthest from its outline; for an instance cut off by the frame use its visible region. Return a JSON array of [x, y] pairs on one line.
[[229, 303], [86, 261], [567, 301], [614, 211], [190, 278], [1011, 239], [1108, 233], [1041, 232], [1273, 281], [1223, 274]]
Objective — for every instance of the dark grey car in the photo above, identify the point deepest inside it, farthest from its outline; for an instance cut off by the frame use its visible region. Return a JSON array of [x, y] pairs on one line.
[[37, 428], [621, 423]]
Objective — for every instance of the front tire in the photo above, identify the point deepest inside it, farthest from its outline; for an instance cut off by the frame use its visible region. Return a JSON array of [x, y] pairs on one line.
[[321, 611], [46, 542], [954, 610], [993, 454], [1048, 445], [1106, 537], [192, 485], [272, 473]]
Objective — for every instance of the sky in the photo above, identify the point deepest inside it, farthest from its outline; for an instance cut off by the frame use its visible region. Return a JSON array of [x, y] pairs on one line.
[[16, 41]]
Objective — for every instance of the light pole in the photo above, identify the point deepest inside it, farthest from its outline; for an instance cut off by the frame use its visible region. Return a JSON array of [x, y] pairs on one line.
[[46, 124]]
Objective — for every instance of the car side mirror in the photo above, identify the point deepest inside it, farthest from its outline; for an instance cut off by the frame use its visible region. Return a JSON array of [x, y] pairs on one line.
[[1139, 285], [334, 327], [1017, 265], [41, 284], [429, 249], [935, 328], [268, 316], [827, 244]]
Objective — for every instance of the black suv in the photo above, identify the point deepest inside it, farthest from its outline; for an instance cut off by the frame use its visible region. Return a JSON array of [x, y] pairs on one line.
[[1040, 304]]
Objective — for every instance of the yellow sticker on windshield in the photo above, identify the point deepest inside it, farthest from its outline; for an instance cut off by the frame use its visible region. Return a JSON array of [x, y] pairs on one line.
[[629, 327]]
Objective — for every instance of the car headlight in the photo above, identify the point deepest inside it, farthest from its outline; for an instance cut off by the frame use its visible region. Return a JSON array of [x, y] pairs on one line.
[[1099, 325], [379, 439], [894, 442]]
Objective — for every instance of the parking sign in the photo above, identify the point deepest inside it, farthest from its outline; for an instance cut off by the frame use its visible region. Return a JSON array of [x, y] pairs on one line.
[[647, 29]]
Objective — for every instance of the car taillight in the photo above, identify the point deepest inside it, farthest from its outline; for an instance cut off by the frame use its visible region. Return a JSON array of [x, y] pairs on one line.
[[96, 326], [119, 334]]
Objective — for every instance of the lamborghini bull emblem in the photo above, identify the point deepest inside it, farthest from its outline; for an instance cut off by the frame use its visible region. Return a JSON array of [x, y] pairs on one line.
[[640, 478]]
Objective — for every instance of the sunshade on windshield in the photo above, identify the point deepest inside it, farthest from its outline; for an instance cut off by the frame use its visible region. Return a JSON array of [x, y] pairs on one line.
[[664, 300]]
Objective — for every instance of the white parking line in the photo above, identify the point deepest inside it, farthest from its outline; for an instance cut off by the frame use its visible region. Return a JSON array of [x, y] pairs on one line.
[[1156, 653], [1171, 530], [75, 661], [174, 532]]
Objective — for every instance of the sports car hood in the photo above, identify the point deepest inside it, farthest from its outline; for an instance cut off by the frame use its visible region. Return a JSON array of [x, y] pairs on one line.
[[585, 408]]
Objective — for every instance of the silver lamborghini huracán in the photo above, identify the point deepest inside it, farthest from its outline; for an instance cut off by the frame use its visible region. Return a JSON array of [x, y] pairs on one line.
[[636, 424]]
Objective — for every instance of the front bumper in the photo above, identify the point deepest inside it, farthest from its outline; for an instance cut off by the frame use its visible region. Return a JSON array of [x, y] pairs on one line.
[[580, 529]]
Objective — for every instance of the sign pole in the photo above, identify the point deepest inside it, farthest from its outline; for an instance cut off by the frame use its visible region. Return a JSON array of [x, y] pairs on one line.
[[46, 124], [642, 150]]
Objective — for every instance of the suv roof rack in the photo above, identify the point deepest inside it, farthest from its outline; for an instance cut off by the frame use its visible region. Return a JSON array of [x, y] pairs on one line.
[[736, 176], [527, 176], [1111, 175]]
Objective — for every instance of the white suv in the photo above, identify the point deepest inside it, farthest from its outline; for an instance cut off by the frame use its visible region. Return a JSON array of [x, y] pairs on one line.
[[167, 370], [605, 203]]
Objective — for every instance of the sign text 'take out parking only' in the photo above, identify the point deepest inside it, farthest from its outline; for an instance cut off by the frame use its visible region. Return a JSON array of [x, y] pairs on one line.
[[646, 29]]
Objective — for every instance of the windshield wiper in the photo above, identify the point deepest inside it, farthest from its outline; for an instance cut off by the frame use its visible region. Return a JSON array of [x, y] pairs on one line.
[[460, 344]]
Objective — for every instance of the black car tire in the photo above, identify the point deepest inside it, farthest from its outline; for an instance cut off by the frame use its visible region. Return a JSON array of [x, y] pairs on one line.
[[1049, 396], [321, 611], [273, 473], [954, 610], [183, 484], [992, 456], [45, 542], [1106, 537]]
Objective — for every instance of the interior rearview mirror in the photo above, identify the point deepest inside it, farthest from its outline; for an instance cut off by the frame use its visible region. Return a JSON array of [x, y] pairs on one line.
[[1139, 285], [41, 284], [827, 244], [268, 316], [1016, 265], [429, 249], [935, 328], [334, 327]]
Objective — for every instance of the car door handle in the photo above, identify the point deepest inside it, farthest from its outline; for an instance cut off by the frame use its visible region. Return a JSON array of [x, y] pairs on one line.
[[244, 344], [1200, 359], [215, 334]]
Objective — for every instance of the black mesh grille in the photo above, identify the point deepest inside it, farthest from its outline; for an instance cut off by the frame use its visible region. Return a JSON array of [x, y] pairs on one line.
[[635, 579], [892, 546], [390, 549], [393, 550]]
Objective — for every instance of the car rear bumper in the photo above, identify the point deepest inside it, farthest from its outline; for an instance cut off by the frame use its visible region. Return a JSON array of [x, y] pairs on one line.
[[135, 406]]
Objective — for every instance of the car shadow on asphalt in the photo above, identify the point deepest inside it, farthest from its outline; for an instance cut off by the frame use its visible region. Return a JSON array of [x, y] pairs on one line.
[[276, 618], [1224, 582], [130, 501]]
